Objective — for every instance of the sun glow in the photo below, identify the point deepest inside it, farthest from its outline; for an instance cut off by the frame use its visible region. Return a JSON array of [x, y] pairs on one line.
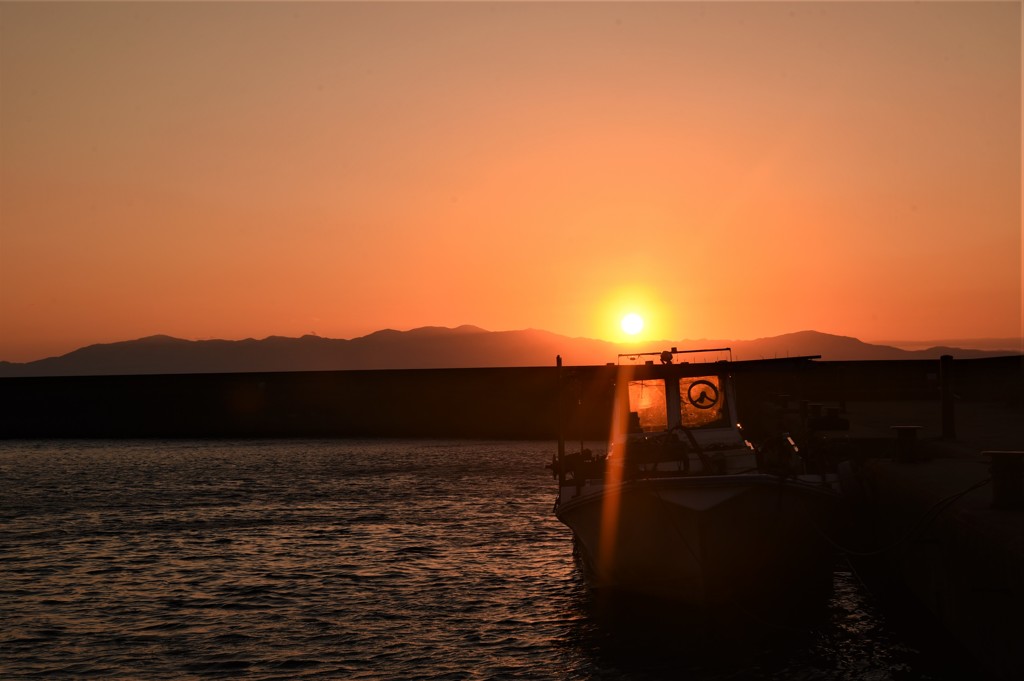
[[632, 324]]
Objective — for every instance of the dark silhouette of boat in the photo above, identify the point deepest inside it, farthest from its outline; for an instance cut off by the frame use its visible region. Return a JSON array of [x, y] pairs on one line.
[[683, 505]]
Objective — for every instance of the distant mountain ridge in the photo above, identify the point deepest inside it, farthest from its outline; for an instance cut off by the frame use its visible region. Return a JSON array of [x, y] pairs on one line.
[[428, 348]]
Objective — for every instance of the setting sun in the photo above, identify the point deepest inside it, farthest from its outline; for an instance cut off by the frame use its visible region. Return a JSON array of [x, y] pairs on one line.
[[632, 324]]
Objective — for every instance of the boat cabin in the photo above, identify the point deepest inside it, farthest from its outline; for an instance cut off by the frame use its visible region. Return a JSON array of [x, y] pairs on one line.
[[679, 418], [669, 419]]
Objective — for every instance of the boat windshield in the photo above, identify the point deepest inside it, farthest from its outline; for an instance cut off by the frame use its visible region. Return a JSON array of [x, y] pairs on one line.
[[647, 402], [701, 404], [700, 401]]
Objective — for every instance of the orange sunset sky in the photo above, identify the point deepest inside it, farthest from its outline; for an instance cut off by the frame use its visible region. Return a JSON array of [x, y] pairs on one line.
[[726, 170]]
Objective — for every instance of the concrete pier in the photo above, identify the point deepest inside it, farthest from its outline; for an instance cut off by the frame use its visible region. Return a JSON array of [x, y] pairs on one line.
[[945, 529]]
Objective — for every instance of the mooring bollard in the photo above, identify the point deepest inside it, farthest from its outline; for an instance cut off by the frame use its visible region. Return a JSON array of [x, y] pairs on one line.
[[906, 443], [1007, 469]]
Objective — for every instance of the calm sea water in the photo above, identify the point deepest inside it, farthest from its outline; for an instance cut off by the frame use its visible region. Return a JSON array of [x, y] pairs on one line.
[[359, 560]]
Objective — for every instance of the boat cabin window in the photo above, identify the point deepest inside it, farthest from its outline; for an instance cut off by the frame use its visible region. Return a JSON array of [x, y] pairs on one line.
[[701, 401], [647, 401]]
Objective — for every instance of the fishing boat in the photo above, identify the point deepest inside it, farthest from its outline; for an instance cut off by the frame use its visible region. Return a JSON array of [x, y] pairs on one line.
[[682, 505]]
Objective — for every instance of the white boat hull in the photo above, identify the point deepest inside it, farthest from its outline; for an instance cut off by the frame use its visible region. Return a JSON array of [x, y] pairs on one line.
[[703, 540]]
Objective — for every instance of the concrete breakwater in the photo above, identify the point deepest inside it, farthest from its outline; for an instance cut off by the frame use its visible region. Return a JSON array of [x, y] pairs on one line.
[[510, 403], [946, 524], [943, 540]]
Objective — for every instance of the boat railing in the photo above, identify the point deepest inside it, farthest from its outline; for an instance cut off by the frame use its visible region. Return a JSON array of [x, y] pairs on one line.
[[667, 356]]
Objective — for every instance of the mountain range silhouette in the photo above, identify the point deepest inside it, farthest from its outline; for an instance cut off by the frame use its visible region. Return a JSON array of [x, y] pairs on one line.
[[431, 347]]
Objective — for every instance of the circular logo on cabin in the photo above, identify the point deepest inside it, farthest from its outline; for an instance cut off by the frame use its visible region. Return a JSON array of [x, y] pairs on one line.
[[702, 394]]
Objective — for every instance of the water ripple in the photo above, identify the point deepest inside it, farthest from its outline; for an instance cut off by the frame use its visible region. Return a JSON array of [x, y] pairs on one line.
[[339, 559]]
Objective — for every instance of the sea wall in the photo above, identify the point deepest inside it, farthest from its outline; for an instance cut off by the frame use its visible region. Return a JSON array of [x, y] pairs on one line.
[[512, 403], [500, 403]]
